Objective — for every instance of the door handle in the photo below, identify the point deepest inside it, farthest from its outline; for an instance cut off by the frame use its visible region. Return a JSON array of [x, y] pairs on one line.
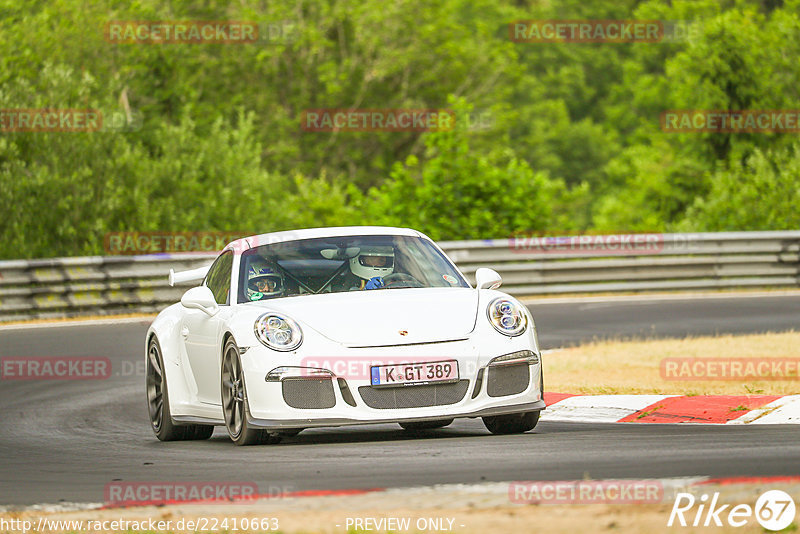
[[185, 331]]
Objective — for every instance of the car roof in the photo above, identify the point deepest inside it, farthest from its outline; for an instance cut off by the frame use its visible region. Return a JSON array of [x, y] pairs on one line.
[[249, 242]]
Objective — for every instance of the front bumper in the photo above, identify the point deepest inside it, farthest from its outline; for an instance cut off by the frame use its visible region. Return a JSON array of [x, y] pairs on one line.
[[331, 397], [276, 424]]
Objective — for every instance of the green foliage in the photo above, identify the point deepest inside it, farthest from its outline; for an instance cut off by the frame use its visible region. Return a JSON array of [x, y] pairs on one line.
[[72, 188], [458, 193], [656, 187], [208, 137], [761, 194]]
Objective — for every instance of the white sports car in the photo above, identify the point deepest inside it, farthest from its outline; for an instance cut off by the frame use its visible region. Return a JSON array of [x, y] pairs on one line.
[[339, 326]]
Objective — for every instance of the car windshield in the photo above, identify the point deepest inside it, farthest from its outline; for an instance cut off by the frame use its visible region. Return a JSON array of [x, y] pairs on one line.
[[339, 264]]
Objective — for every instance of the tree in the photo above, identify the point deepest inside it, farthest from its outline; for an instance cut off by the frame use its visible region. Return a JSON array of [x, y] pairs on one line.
[[456, 193]]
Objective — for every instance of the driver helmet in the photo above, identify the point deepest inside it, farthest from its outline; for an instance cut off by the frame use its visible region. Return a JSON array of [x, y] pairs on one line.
[[373, 261], [264, 280]]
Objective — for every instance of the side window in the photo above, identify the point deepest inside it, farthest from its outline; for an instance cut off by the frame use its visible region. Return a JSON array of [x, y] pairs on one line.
[[218, 279]]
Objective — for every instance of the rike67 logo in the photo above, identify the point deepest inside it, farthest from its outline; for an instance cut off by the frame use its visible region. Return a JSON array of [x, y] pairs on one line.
[[774, 510]]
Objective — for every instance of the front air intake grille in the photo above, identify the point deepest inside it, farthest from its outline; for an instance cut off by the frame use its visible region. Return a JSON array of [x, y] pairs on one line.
[[508, 379], [413, 396], [308, 393]]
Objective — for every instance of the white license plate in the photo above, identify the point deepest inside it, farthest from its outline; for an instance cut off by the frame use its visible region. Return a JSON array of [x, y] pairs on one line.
[[404, 374]]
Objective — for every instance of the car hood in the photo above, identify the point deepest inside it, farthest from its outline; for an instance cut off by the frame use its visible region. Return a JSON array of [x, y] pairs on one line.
[[377, 318]]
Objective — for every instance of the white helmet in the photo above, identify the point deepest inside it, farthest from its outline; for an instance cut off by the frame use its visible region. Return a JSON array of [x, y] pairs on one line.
[[263, 280], [372, 262]]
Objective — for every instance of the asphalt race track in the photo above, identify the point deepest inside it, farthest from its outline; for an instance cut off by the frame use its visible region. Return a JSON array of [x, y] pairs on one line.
[[565, 324], [65, 440]]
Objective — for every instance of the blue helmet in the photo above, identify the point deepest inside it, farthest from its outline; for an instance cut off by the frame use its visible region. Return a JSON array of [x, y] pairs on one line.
[[264, 279]]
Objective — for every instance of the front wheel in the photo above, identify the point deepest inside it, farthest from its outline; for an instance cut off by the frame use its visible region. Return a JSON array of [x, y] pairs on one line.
[[158, 402], [515, 423], [234, 401]]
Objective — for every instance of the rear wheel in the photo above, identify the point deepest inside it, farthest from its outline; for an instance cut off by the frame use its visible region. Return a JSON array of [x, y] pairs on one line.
[[234, 401], [426, 425], [514, 423], [158, 402]]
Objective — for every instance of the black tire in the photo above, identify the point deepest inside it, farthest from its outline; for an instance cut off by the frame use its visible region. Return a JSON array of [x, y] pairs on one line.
[[234, 401], [515, 423], [425, 425], [158, 402]]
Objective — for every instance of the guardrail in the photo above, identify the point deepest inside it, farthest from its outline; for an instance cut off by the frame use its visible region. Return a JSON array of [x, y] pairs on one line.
[[67, 287]]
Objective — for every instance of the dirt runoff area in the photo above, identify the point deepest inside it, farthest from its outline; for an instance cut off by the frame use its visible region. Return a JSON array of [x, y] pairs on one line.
[[578, 506], [718, 365]]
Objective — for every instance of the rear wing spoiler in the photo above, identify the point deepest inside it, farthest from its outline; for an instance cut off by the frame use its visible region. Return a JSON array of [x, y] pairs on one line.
[[187, 276]]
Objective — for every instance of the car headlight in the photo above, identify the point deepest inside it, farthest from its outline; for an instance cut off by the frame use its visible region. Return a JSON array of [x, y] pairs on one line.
[[507, 317], [278, 332]]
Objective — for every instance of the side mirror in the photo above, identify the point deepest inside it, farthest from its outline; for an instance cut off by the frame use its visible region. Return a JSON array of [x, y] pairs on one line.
[[487, 279], [200, 298]]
